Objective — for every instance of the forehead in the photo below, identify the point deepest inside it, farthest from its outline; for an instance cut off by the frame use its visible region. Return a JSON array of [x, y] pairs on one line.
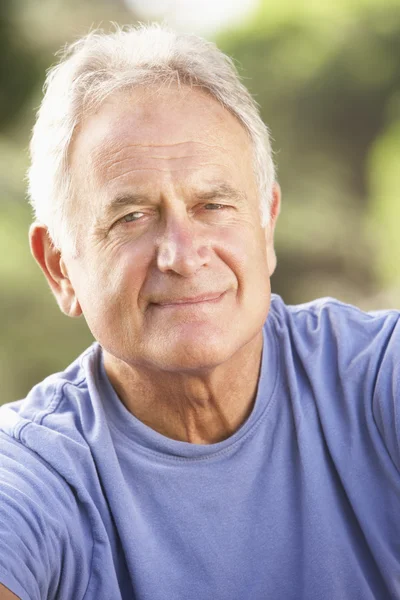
[[181, 127]]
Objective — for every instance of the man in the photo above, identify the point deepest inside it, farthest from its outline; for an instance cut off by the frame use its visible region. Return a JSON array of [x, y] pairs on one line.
[[213, 443]]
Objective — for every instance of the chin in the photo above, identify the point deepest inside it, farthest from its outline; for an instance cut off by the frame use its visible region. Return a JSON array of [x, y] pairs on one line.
[[193, 356]]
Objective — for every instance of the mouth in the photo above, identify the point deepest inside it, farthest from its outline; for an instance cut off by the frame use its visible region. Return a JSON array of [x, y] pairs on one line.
[[205, 299]]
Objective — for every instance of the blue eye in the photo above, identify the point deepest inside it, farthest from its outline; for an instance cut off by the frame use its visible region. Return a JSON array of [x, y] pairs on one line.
[[133, 216]]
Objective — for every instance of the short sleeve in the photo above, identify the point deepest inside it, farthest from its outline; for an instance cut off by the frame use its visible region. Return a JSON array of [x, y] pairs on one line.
[[38, 522], [386, 398]]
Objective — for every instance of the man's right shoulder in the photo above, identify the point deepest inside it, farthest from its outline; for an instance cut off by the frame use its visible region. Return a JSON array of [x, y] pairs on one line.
[[55, 398], [46, 466], [52, 426]]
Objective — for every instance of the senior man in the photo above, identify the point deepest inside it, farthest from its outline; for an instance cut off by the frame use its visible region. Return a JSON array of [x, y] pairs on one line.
[[213, 443]]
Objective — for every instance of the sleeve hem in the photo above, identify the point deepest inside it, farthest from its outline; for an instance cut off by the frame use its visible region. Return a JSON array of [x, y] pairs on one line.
[[13, 585]]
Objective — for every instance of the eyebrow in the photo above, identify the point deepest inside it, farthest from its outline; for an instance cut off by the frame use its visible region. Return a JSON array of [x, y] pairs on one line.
[[220, 190], [223, 191], [123, 200]]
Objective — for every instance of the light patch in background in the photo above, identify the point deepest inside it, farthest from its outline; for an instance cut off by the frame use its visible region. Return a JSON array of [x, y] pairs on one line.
[[199, 16]]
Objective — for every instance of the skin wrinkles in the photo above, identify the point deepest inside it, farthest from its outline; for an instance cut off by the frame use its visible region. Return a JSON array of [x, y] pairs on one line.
[[115, 163], [190, 370], [218, 190], [109, 178], [111, 165], [166, 170], [108, 153], [130, 202], [172, 145]]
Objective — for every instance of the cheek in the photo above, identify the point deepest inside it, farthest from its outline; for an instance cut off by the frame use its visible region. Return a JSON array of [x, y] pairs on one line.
[[245, 254], [99, 284], [123, 272], [248, 260]]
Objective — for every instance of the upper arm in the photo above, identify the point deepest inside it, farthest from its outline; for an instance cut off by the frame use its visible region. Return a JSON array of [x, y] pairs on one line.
[[5, 594], [386, 399], [46, 542], [29, 560], [42, 541]]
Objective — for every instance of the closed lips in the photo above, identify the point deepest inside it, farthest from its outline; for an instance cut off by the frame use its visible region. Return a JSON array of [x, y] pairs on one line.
[[190, 300]]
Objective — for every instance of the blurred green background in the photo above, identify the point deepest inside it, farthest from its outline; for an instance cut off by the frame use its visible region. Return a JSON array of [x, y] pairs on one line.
[[327, 78]]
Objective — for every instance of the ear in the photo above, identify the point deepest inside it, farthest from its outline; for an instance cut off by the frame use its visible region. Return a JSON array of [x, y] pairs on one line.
[[270, 228], [53, 266]]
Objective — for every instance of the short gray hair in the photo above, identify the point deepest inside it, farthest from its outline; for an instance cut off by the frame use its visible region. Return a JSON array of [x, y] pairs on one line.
[[98, 65]]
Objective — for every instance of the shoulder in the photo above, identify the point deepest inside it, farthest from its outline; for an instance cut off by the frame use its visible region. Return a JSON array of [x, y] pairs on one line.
[[54, 402], [44, 536], [52, 429], [348, 361], [328, 310], [334, 327], [44, 529], [331, 339]]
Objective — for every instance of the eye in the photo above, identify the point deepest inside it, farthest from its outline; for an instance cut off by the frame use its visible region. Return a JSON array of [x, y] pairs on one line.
[[214, 206], [133, 216]]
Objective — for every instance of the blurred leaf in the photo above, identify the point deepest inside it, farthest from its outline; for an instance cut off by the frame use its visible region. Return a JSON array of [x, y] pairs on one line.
[[384, 217]]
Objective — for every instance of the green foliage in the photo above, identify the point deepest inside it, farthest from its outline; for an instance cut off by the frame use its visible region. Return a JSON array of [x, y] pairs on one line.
[[384, 214], [19, 68]]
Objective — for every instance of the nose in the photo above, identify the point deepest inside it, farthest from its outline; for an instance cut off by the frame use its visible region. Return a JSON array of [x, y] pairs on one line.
[[180, 249]]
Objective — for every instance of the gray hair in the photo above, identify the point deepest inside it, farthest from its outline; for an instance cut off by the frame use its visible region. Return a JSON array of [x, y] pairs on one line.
[[98, 65]]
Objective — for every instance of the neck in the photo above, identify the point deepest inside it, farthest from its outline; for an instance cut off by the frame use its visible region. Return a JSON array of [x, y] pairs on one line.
[[201, 408]]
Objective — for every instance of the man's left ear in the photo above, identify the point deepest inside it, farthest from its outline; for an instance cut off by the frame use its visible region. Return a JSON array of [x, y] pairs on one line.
[[270, 228]]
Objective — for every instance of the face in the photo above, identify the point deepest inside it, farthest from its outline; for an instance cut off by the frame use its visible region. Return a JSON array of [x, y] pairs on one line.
[[173, 266]]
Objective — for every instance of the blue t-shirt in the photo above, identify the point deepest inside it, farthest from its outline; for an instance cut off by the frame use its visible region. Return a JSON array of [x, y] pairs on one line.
[[302, 502]]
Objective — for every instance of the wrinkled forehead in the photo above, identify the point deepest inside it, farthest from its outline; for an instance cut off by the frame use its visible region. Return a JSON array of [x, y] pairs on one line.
[[173, 121]]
